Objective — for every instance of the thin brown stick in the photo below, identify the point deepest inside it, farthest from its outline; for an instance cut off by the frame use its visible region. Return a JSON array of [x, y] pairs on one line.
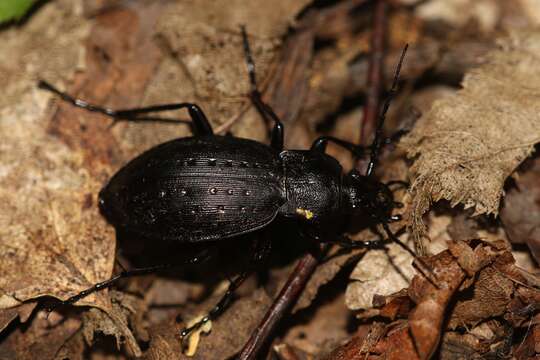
[[286, 298], [375, 77]]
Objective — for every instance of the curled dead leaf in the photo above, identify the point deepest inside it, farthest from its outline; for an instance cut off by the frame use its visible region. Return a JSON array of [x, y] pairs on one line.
[[469, 143]]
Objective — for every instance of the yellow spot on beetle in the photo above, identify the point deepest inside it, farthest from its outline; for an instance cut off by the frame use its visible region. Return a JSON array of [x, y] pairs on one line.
[[305, 213]]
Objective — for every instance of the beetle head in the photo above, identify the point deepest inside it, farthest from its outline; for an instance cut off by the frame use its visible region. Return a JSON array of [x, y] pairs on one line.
[[368, 197]]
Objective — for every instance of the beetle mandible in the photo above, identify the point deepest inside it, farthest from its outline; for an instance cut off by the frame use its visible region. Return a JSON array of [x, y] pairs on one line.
[[208, 187]]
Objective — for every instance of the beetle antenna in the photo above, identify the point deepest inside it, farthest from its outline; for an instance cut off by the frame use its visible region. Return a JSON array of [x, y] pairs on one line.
[[424, 268], [377, 141]]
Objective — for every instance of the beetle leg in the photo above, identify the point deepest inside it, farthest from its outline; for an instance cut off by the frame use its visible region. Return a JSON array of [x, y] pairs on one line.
[[347, 243], [320, 145], [264, 109], [261, 249], [125, 274], [220, 306], [200, 123], [357, 150]]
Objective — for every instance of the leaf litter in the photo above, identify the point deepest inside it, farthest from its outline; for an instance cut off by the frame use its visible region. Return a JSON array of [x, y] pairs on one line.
[[481, 300]]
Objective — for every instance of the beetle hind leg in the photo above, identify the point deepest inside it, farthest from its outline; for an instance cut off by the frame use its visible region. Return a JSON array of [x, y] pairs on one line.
[[202, 256], [200, 123]]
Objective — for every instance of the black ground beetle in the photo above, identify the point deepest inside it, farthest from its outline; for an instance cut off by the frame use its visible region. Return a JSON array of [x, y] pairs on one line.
[[210, 188]]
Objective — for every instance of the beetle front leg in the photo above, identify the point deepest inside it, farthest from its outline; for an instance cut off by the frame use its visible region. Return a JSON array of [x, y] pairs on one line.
[[357, 150], [200, 123]]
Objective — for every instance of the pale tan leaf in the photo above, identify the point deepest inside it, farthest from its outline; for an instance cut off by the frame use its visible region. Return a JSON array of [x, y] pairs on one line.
[[469, 143]]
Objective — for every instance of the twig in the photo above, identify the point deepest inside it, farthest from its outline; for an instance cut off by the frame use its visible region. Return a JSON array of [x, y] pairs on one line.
[[286, 298]]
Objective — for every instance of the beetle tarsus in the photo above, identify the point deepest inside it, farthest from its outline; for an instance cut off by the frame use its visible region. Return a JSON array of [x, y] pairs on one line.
[[219, 308]]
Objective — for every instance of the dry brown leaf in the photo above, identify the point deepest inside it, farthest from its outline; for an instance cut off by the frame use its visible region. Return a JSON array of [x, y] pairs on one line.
[[379, 272], [114, 322], [39, 340], [47, 222], [451, 268], [530, 346], [73, 348], [469, 143], [462, 227], [426, 319], [471, 260], [397, 344], [492, 293], [462, 346], [521, 212], [321, 328], [359, 346], [394, 306], [22, 311]]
